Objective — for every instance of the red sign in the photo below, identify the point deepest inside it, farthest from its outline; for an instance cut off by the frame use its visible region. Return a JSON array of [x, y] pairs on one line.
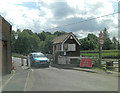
[[101, 41], [86, 62], [101, 35]]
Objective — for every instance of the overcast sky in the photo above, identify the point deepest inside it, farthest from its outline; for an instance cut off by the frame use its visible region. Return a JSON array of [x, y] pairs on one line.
[[39, 15]]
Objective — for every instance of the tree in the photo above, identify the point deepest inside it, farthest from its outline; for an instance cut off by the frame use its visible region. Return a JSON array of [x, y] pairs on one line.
[[93, 41], [27, 42], [105, 32], [30, 42], [35, 42], [28, 31], [18, 30], [13, 41], [19, 44], [58, 33], [42, 46], [107, 42], [42, 36], [89, 43], [48, 43], [84, 44], [46, 46], [115, 43]]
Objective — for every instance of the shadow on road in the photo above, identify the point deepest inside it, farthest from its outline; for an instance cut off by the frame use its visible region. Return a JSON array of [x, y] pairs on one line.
[[61, 66], [73, 68], [39, 67]]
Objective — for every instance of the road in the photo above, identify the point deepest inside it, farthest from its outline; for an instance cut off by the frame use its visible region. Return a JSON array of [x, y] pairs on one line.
[[56, 79], [53, 79]]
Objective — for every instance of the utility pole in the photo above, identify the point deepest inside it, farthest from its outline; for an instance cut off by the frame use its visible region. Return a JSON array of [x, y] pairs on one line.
[[101, 42], [119, 54], [119, 65], [100, 55], [118, 59]]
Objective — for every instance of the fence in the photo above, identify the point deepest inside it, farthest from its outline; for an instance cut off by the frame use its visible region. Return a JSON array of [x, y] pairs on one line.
[[109, 57], [107, 63], [105, 53], [110, 63]]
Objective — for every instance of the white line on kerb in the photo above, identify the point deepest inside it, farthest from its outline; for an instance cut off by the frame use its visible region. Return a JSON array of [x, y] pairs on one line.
[[27, 80], [6, 82]]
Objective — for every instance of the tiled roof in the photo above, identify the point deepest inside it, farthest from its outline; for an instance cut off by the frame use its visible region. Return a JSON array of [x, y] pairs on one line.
[[60, 38], [63, 38]]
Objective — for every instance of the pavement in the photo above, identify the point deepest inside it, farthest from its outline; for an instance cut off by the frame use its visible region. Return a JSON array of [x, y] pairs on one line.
[[17, 78], [113, 73]]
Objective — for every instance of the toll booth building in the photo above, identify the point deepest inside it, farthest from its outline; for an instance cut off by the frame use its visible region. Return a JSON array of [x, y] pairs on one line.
[[5, 46], [66, 49]]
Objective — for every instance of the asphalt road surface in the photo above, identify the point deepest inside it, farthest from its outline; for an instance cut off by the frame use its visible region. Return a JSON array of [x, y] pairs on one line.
[[56, 79], [53, 79]]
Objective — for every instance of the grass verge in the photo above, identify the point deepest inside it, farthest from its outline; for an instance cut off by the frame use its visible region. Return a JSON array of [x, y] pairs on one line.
[[16, 55]]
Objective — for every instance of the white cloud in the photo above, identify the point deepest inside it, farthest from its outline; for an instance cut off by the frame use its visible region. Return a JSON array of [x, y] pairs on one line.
[[52, 13]]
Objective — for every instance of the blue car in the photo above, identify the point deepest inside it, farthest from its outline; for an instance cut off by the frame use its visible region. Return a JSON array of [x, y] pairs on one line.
[[38, 59]]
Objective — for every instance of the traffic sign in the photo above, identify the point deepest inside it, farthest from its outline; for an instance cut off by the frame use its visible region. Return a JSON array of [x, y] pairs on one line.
[[101, 35], [101, 41], [86, 62]]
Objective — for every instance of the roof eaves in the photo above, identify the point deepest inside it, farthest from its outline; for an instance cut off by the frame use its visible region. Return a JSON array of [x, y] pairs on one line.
[[68, 34]]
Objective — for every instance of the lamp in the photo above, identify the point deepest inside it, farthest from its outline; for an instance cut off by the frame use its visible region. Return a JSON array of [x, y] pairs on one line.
[[16, 36]]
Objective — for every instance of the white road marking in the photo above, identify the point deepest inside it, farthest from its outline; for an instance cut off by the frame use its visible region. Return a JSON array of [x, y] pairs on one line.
[[27, 79], [55, 68], [2, 87], [32, 70]]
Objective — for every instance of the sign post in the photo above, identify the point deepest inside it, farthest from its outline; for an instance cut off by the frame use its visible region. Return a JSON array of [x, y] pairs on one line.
[[29, 63], [22, 60], [101, 42]]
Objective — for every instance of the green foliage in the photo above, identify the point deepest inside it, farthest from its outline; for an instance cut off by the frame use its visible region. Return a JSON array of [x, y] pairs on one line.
[[13, 41], [58, 33], [108, 45], [32, 42], [42, 36], [46, 46], [48, 43], [105, 33], [115, 43], [27, 42], [84, 44], [89, 43], [28, 31]]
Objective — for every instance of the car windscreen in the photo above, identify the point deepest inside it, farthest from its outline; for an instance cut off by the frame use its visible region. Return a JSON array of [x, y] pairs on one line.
[[38, 55]]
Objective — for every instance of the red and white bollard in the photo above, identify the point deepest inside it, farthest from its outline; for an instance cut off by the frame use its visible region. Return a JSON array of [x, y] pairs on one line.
[[21, 60], [13, 67]]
